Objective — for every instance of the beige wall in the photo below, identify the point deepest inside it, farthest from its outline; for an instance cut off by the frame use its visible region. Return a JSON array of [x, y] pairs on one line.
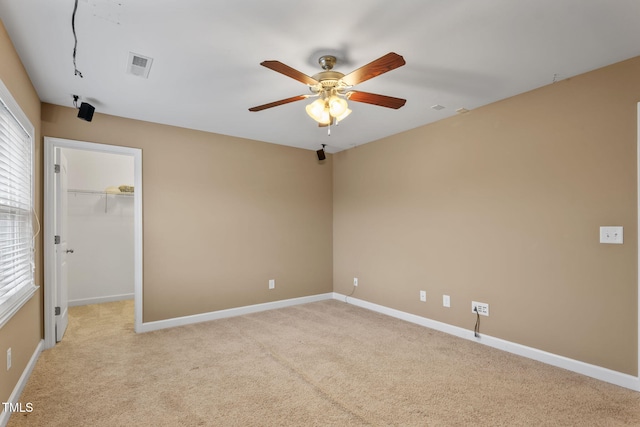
[[503, 205], [221, 215], [23, 332]]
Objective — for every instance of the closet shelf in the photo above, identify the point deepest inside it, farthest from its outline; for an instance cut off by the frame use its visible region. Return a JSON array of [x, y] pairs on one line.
[[99, 192]]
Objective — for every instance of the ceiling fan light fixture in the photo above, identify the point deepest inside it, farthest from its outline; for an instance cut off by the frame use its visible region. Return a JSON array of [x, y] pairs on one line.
[[337, 106], [325, 117], [326, 110], [316, 110]]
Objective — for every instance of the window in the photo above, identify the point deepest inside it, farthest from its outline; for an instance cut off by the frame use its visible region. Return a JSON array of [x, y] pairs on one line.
[[16, 207]]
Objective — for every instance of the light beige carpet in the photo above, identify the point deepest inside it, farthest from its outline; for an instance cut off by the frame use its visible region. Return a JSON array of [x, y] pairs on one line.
[[319, 364]]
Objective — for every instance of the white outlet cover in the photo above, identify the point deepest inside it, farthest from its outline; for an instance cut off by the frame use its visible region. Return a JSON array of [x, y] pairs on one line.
[[612, 235], [272, 283], [446, 301], [423, 296]]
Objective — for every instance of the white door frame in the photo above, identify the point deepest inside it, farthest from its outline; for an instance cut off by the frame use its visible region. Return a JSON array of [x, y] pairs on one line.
[[50, 144], [638, 235]]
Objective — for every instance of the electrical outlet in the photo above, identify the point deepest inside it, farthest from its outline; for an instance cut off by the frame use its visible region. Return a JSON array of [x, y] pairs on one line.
[[446, 301], [423, 296], [612, 235], [483, 308], [9, 358], [355, 281], [272, 283]]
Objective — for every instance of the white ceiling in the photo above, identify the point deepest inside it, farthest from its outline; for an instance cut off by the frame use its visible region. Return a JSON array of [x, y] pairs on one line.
[[206, 54]]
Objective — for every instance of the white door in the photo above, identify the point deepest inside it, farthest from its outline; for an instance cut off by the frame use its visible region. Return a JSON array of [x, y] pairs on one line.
[[61, 274]]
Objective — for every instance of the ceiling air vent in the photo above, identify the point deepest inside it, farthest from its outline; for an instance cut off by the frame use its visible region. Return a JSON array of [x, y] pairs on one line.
[[139, 65]]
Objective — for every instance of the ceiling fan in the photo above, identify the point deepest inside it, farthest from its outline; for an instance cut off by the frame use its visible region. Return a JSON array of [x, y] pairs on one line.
[[332, 88]]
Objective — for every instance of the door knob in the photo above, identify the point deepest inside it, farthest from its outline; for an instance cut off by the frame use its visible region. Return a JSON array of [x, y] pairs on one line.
[[69, 251]]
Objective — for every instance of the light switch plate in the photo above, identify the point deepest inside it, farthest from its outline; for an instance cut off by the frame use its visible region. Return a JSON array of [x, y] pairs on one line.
[[611, 235]]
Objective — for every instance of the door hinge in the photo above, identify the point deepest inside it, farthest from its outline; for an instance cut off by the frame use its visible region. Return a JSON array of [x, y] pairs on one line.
[[57, 311], [56, 168], [56, 240]]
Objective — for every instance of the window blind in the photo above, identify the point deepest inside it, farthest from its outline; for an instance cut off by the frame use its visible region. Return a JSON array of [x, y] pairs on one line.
[[16, 231]]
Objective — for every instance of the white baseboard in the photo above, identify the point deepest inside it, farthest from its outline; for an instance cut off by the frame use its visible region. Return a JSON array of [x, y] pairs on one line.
[[17, 390], [231, 312], [99, 300], [593, 371]]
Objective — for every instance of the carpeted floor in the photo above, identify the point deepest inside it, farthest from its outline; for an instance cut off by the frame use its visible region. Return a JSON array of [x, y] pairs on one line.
[[321, 364]]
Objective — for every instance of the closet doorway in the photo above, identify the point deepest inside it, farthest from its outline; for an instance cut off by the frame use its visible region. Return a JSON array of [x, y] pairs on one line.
[[99, 226], [104, 231]]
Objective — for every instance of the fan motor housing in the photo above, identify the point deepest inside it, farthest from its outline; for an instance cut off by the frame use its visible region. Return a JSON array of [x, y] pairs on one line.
[[327, 79]]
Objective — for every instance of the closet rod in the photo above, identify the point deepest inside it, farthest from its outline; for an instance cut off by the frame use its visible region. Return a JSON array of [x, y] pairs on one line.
[[100, 193]]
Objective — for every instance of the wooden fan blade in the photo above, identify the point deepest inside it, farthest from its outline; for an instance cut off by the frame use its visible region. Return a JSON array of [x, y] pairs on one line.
[[375, 99], [289, 72], [281, 102], [389, 62]]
